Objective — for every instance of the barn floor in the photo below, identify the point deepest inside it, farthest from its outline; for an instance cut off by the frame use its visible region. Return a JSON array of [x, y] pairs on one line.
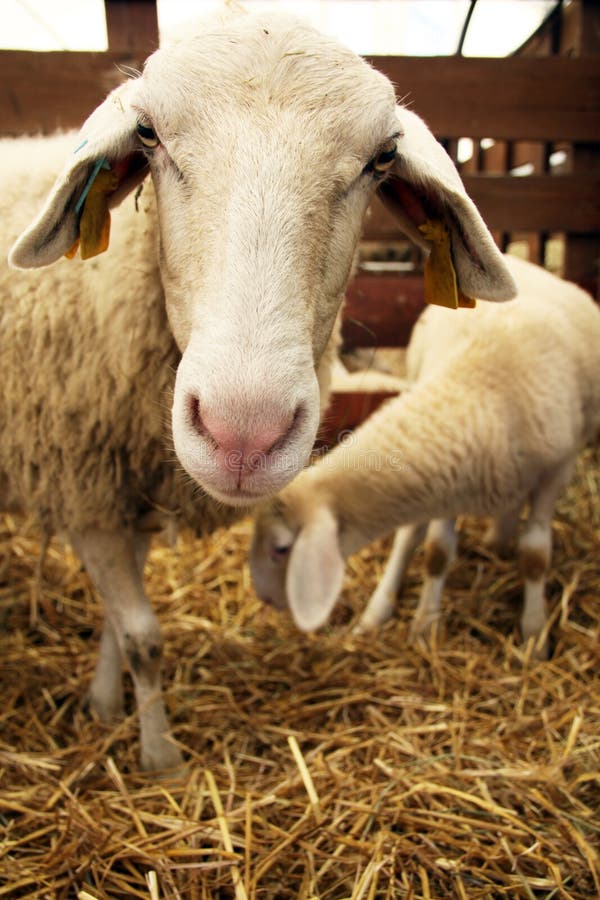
[[328, 766]]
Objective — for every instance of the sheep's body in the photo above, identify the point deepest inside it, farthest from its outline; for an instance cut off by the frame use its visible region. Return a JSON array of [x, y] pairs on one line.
[[78, 363], [265, 142], [504, 398]]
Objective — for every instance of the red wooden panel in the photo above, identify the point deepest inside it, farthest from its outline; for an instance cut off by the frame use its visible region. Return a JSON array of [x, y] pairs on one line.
[[381, 310], [345, 412]]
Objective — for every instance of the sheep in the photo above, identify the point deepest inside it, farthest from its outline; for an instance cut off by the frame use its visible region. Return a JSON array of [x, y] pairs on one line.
[[217, 298], [503, 397]]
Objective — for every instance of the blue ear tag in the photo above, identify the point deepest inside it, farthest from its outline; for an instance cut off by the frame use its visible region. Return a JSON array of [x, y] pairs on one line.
[[92, 209], [101, 163]]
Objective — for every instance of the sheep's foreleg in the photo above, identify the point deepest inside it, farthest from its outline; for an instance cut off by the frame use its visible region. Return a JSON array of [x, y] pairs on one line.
[[381, 604], [113, 561], [440, 551], [106, 689], [535, 548]]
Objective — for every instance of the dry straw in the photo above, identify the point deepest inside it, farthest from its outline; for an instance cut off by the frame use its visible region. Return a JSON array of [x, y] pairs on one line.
[[327, 766]]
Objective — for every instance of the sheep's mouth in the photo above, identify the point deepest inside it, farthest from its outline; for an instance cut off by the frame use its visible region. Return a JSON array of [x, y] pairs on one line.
[[239, 497]]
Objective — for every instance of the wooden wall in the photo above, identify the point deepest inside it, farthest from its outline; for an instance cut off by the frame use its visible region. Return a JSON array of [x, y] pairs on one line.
[[546, 98]]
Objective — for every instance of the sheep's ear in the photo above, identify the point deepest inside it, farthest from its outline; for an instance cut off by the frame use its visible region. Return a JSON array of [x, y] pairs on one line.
[[106, 152], [315, 572], [426, 194]]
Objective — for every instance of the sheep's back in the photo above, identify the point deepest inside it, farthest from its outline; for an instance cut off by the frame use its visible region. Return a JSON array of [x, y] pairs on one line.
[[526, 372], [505, 393], [535, 355]]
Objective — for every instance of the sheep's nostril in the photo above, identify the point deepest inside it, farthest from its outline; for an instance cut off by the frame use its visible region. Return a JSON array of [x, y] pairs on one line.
[[294, 423], [194, 412], [195, 420]]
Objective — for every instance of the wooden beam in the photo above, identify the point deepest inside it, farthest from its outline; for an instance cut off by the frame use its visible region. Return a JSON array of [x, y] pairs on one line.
[[582, 252], [521, 99], [538, 202], [545, 99], [40, 92], [511, 203]]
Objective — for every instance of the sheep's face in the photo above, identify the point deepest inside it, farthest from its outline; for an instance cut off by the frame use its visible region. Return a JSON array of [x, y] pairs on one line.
[[274, 535], [295, 556], [261, 169]]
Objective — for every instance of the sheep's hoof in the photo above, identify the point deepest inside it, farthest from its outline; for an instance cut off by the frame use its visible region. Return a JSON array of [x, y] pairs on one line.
[[109, 710], [380, 610], [422, 627], [365, 625], [539, 651], [165, 758]]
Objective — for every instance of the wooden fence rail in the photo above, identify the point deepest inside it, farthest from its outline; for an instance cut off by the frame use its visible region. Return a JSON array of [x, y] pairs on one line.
[[526, 106]]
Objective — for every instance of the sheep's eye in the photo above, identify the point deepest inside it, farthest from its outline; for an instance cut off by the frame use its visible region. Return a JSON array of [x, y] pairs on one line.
[[383, 161], [279, 552], [147, 135]]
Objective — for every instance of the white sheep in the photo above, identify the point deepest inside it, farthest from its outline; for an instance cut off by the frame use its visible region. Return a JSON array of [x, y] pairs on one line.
[[265, 142], [505, 396]]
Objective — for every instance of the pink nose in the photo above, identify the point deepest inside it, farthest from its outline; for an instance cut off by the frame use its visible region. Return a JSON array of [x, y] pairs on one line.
[[240, 450]]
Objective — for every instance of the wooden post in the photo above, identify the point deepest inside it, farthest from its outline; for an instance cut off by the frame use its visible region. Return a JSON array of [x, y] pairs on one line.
[[581, 37], [132, 25]]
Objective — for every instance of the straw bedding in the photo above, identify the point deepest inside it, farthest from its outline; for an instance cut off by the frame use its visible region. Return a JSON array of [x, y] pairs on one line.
[[324, 766]]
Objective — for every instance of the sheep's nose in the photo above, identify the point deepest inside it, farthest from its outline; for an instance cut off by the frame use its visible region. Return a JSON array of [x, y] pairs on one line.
[[241, 449]]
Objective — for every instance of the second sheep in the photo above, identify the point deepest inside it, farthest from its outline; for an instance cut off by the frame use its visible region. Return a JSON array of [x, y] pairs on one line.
[[505, 396]]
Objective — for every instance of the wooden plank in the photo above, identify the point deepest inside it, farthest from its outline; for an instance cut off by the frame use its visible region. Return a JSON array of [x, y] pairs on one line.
[[518, 98], [132, 26], [381, 310], [511, 203], [40, 92], [538, 202], [534, 99], [582, 252]]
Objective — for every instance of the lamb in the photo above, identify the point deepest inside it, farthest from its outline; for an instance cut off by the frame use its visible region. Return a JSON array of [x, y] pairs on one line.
[[503, 398], [217, 298]]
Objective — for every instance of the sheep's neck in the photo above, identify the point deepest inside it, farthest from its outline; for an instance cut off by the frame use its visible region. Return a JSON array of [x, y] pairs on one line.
[[412, 463]]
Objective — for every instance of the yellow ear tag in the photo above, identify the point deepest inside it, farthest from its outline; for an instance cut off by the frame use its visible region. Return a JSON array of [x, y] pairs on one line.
[[441, 286], [94, 225], [94, 221]]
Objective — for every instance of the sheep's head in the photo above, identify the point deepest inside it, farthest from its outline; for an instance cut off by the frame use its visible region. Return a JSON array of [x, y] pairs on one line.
[[265, 142], [295, 558]]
